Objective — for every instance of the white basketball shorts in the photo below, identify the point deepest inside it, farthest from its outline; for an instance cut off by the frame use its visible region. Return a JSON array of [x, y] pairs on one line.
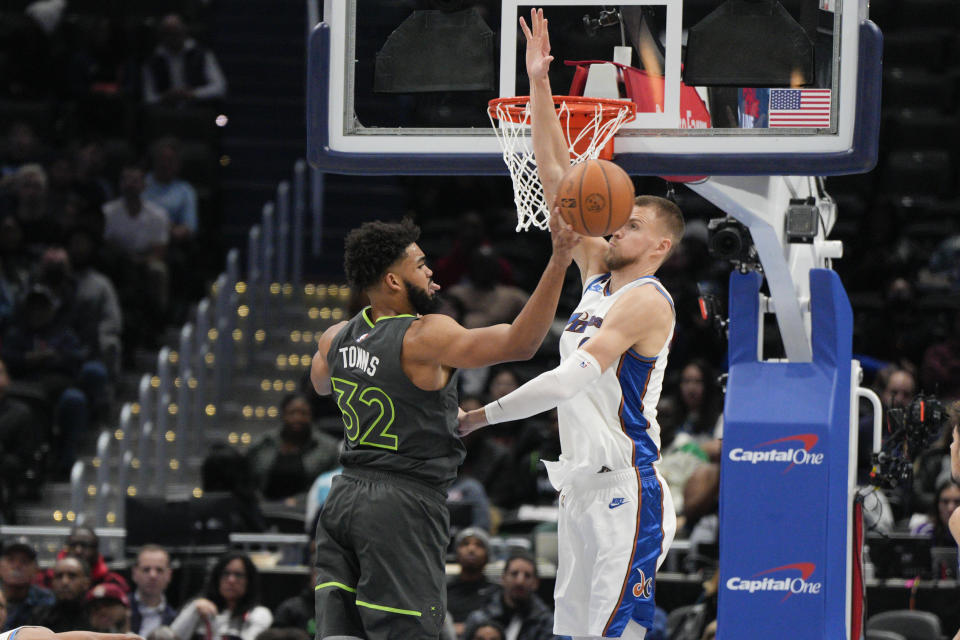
[[614, 531]]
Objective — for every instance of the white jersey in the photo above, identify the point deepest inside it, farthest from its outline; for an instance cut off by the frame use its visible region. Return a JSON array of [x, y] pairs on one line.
[[613, 422]]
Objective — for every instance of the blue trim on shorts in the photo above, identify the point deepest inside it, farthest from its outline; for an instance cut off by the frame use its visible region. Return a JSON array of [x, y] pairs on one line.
[[637, 599]]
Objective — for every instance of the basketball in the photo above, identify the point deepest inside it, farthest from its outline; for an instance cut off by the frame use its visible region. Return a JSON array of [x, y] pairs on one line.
[[595, 197]]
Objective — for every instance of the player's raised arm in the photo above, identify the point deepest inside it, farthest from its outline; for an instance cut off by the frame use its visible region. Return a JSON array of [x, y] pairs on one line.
[[549, 143], [440, 338], [319, 370], [550, 148], [641, 320]]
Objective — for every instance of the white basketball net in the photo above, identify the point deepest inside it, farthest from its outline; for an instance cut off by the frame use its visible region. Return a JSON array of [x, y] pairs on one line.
[[513, 133]]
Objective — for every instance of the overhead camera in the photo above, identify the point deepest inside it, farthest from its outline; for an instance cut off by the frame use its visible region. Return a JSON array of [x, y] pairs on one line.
[[730, 240], [607, 18], [910, 431]]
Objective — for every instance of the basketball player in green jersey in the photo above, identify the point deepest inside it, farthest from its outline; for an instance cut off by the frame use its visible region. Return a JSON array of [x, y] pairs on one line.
[[392, 370]]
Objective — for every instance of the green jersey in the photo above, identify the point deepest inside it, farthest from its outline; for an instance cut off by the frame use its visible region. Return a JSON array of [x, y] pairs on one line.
[[389, 423]]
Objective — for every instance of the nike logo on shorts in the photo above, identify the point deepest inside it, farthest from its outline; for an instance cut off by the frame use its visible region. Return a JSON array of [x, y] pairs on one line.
[[617, 502]]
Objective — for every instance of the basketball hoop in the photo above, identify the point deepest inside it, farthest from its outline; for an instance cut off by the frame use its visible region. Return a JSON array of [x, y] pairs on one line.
[[589, 125]]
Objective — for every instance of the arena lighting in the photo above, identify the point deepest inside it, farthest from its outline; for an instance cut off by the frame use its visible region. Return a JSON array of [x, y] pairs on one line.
[[749, 43]]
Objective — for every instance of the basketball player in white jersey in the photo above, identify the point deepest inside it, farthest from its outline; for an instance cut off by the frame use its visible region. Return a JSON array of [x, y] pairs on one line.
[[616, 513]]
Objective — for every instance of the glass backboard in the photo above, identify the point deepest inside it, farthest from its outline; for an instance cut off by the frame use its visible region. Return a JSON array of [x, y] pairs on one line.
[[755, 87]]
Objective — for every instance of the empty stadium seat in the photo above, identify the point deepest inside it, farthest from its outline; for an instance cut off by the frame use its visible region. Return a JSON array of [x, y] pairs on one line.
[[912, 625]]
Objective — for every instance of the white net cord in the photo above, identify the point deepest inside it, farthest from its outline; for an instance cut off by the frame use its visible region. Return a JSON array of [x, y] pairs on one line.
[[514, 137]]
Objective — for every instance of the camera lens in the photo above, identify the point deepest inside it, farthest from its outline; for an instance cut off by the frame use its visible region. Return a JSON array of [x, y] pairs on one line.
[[726, 244]]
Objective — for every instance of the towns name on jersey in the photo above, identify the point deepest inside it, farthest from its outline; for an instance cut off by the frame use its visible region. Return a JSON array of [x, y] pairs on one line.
[[796, 456], [793, 585], [357, 358]]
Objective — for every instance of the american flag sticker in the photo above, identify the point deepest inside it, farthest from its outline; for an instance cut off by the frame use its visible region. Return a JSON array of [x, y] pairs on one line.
[[800, 108]]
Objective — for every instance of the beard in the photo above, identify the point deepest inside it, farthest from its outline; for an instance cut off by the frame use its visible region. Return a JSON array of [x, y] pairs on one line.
[[423, 301], [615, 260]]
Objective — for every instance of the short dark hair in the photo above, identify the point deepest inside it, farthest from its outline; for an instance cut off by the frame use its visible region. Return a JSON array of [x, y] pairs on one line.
[[520, 554], [668, 212], [290, 398], [371, 248], [84, 565]]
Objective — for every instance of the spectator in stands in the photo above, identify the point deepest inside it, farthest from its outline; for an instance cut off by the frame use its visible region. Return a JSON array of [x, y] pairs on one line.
[[469, 590], [518, 604], [95, 315], [701, 504], [84, 543], [468, 504], [503, 380], [286, 461], [149, 608], [30, 188], [18, 439], [700, 400], [488, 462], [230, 603], [108, 609], [538, 440], [71, 580], [14, 268], [471, 235], [317, 496], [935, 523], [140, 230], [898, 388], [485, 630], [90, 174], [298, 612], [22, 146], [929, 469], [180, 70], [38, 350], [136, 234], [940, 371], [166, 189], [178, 197], [18, 568], [484, 298]]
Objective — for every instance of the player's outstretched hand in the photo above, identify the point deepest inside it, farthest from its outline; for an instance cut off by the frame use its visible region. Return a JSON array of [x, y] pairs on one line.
[[538, 45], [564, 238], [470, 421]]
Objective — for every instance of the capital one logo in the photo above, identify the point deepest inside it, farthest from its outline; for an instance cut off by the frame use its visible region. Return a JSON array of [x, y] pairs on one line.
[[794, 455], [644, 587], [788, 584]]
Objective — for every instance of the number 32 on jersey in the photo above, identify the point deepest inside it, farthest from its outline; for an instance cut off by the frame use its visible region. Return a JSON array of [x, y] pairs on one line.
[[371, 399]]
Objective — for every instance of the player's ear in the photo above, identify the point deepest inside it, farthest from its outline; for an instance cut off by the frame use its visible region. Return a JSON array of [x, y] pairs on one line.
[[392, 282], [665, 245]]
